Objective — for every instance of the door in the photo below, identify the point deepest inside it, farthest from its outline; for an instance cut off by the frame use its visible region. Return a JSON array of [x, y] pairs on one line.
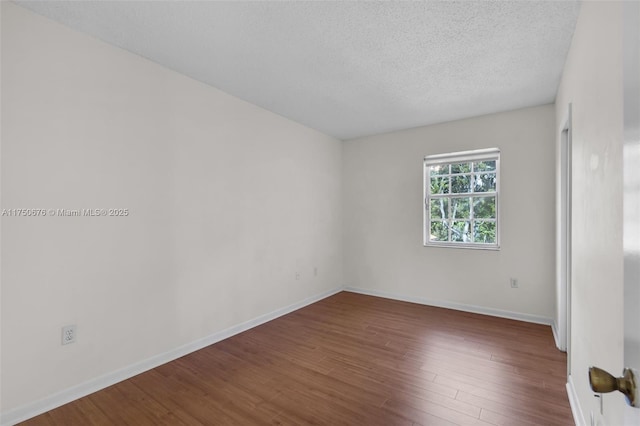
[[631, 209], [605, 261]]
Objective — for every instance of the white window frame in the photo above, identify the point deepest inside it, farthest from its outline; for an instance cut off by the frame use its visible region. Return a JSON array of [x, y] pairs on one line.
[[459, 157]]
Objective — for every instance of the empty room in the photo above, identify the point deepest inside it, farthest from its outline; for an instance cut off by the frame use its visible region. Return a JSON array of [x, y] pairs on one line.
[[330, 213]]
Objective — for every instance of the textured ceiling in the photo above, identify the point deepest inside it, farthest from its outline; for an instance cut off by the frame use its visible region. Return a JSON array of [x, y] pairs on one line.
[[348, 69]]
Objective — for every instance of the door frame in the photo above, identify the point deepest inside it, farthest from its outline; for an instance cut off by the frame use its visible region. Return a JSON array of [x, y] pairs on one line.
[[563, 272], [631, 193]]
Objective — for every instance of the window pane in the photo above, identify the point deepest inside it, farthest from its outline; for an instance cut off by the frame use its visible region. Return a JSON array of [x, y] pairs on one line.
[[484, 232], [439, 208], [484, 207], [461, 184], [482, 166], [461, 168], [441, 169], [439, 232], [460, 208], [440, 185], [460, 231], [485, 182]]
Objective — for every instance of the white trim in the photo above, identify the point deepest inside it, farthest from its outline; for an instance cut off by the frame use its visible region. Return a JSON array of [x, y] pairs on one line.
[[30, 410], [574, 402], [536, 319], [554, 330], [454, 157], [563, 234]]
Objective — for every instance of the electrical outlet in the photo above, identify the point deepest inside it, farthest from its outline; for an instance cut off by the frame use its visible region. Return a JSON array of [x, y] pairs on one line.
[[297, 275], [68, 334], [514, 282]]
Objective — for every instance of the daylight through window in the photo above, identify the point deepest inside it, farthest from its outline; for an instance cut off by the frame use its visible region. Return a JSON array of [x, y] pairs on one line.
[[461, 199]]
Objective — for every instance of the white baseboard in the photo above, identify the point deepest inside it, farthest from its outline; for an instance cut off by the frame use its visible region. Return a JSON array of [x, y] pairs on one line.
[[28, 411], [554, 330], [457, 306], [574, 402]]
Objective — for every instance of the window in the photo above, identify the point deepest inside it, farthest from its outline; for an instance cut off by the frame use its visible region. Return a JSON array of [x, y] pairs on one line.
[[461, 199]]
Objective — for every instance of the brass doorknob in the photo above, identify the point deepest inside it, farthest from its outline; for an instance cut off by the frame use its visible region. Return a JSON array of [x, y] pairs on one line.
[[603, 382]]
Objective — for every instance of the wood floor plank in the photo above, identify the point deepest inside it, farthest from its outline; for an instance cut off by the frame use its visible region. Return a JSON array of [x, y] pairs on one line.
[[532, 412], [390, 382], [349, 359], [417, 415], [499, 393], [502, 420]]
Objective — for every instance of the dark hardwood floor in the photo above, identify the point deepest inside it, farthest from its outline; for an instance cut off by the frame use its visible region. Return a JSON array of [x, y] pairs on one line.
[[349, 359]]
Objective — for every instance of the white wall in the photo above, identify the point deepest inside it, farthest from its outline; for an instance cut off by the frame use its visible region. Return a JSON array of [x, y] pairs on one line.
[[227, 201], [592, 82], [383, 203]]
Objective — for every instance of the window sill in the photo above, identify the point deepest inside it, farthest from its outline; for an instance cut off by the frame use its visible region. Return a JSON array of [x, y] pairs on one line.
[[464, 246]]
